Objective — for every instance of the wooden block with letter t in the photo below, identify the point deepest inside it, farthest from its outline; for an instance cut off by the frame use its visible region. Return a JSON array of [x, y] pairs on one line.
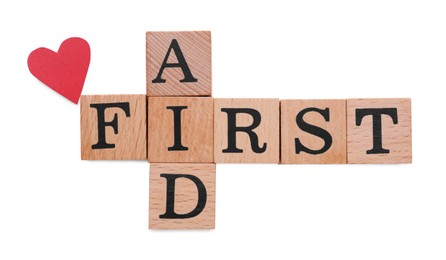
[[379, 131], [179, 63], [182, 196], [113, 127], [181, 129], [246, 130], [313, 132]]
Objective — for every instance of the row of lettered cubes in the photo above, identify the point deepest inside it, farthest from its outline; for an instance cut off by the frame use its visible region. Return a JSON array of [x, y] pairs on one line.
[[230, 130]]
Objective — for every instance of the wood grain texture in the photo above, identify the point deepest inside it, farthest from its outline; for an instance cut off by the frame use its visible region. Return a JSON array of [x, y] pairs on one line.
[[267, 132], [336, 126], [130, 141], [197, 51], [197, 129], [395, 137], [185, 196]]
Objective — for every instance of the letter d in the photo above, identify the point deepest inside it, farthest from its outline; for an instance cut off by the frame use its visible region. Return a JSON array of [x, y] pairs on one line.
[[170, 196]]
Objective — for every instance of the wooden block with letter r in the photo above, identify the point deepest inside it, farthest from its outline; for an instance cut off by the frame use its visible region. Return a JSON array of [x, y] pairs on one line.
[[182, 196], [181, 129], [313, 132], [179, 63], [246, 130], [113, 127], [379, 131]]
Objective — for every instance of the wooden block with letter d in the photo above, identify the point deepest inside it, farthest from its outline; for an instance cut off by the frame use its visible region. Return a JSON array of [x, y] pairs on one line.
[[313, 132], [113, 127], [246, 130], [182, 196], [181, 129], [179, 63], [379, 131]]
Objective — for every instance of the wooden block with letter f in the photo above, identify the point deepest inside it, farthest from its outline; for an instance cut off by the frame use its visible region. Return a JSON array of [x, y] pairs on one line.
[[179, 63], [182, 196], [113, 127]]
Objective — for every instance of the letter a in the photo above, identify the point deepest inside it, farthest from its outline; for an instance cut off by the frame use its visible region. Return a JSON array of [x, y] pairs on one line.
[[188, 77]]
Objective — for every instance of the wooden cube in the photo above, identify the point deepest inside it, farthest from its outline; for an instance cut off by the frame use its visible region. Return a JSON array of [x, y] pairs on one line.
[[179, 63], [181, 129], [182, 196], [379, 131], [246, 130], [313, 132], [113, 127]]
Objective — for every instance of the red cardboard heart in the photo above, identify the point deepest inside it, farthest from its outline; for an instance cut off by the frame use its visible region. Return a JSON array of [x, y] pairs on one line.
[[64, 71]]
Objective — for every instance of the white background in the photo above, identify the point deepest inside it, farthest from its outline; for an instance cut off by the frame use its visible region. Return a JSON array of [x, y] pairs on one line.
[[55, 206]]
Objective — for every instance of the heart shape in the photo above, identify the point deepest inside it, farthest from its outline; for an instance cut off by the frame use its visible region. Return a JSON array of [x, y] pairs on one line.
[[64, 71]]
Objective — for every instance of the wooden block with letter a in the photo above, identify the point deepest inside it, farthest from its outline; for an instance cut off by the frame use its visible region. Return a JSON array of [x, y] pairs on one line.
[[179, 63], [379, 131], [313, 132], [181, 129], [182, 196], [246, 130], [113, 127]]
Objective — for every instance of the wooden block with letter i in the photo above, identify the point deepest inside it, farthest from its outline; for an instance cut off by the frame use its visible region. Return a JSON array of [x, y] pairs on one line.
[[246, 130], [113, 127], [182, 196], [313, 132], [379, 131], [181, 129], [179, 63]]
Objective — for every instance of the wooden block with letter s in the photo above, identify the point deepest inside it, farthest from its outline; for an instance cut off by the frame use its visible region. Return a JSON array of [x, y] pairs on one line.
[[113, 127], [313, 132]]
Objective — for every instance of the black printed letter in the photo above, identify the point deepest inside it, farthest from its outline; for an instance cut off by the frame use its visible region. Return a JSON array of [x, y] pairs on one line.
[[317, 131], [181, 63], [170, 196], [377, 126], [102, 143], [177, 146], [233, 129]]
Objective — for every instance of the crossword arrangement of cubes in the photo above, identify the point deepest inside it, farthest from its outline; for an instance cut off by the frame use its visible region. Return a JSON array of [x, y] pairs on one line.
[[183, 132]]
